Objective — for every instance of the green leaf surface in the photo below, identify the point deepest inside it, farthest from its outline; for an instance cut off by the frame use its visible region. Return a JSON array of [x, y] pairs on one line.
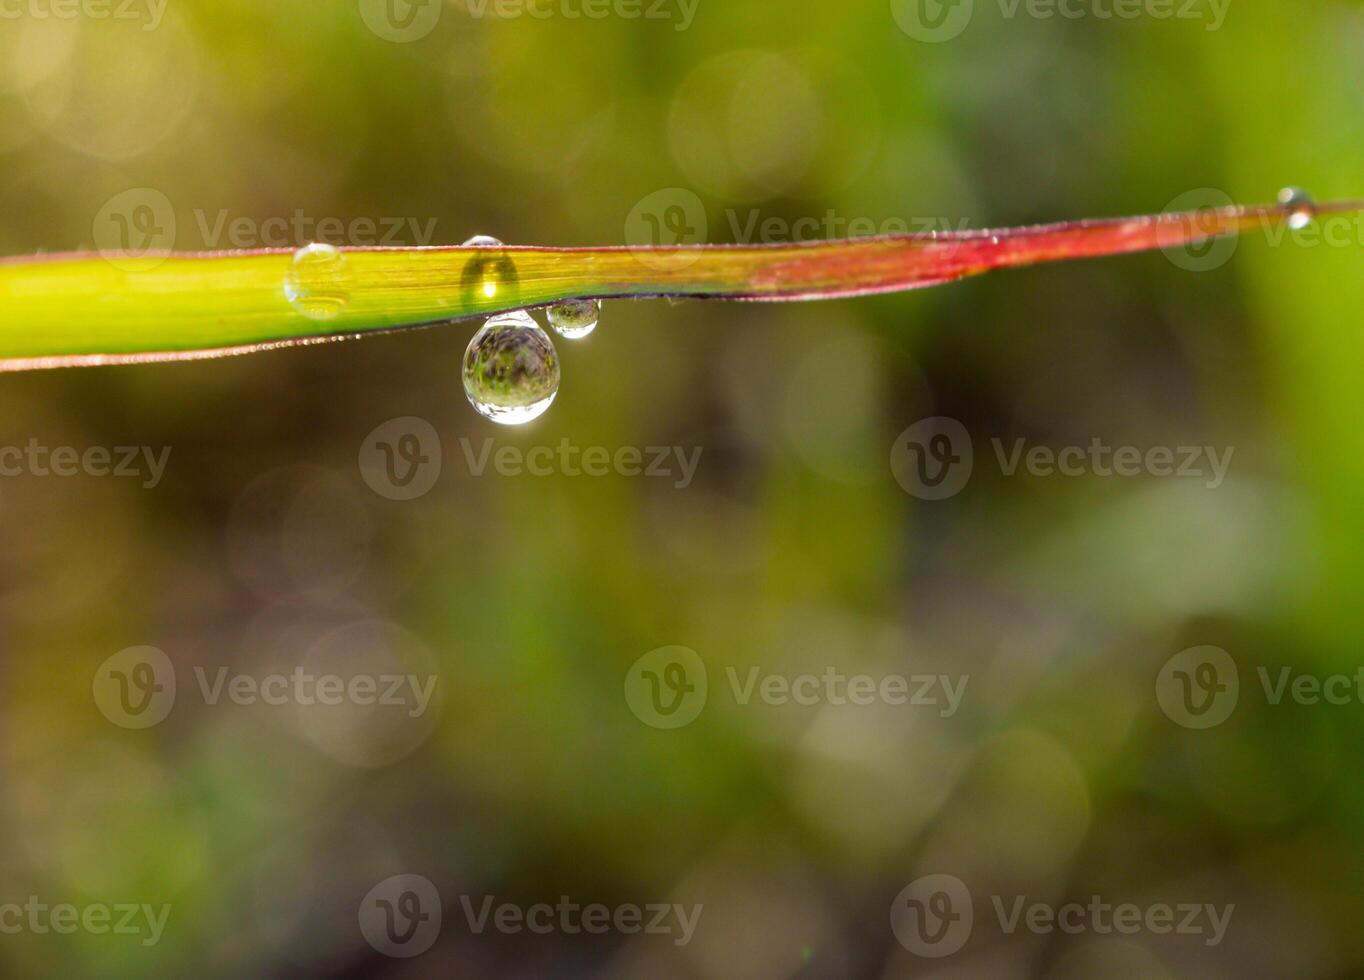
[[87, 309]]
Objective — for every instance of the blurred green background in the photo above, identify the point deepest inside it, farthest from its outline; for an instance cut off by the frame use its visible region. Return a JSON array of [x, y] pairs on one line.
[[794, 549]]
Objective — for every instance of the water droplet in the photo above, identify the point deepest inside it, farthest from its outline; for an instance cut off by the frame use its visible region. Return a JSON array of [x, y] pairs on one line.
[[317, 281], [511, 371], [574, 319], [1300, 206], [486, 274]]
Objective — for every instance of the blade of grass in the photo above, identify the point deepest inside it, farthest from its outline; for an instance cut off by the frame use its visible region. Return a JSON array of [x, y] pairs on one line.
[[83, 309]]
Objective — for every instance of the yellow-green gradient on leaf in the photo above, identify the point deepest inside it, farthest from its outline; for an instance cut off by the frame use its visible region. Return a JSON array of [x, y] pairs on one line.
[[87, 309]]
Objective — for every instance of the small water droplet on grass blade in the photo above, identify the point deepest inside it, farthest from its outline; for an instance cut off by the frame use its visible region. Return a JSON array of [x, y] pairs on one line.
[[316, 283], [1301, 208]]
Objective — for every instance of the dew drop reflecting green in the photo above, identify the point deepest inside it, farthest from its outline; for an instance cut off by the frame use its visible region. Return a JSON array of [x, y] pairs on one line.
[[489, 274], [574, 318], [317, 283], [511, 370]]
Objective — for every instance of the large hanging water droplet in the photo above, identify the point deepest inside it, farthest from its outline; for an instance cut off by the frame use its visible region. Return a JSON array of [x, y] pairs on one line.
[[511, 371], [1300, 206], [317, 283], [575, 318]]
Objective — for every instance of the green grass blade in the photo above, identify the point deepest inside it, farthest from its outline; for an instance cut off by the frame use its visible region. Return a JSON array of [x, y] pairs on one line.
[[83, 309]]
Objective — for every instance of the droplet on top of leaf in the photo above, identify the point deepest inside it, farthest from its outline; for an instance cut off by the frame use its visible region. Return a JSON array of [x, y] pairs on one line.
[[486, 275], [511, 370], [316, 283]]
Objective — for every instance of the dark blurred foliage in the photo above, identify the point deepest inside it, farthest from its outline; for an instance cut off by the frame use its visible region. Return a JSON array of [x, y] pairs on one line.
[[794, 549]]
